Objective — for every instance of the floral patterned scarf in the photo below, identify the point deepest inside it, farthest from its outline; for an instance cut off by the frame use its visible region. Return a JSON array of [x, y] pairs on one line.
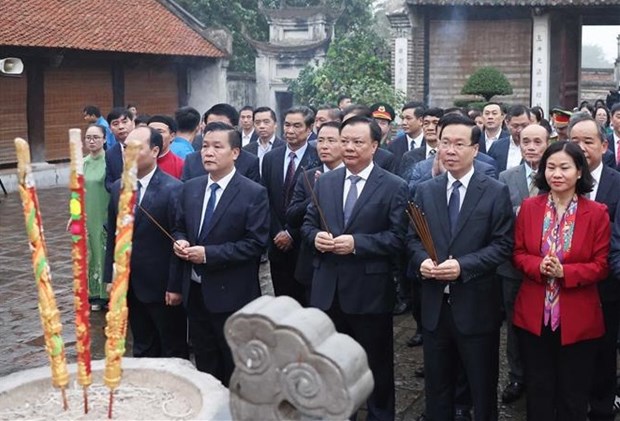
[[557, 235]]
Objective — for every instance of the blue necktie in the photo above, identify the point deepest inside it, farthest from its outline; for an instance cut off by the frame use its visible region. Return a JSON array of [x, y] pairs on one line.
[[210, 209], [453, 205], [349, 203]]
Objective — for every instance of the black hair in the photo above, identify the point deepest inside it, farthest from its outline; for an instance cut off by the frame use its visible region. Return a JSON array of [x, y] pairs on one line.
[[306, 112], [142, 118], [517, 110], [92, 110], [458, 119], [334, 124], [614, 109], [545, 123], [584, 184], [473, 113], [225, 110], [375, 130], [187, 119], [131, 105], [119, 112], [418, 108], [455, 110], [167, 120], [358, 110], [342, 97], [100, 127], [247, 108], [539, 113], [433, 112], [334, 112], [588, 107], [501, 107], [582, 116], [266, 110], [155, 139], [234, 137]]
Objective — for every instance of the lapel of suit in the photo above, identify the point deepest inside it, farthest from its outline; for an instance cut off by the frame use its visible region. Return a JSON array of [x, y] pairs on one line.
[[335, 190], [195, 203], [277, 170], [222, 205], [604, 187], [440, 204], [150, 194], [373, 182], [307, 160], [522, 183], [473, 195]]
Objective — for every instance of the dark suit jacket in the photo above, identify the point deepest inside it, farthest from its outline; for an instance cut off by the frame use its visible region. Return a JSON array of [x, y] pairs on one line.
[[384, 159], [252, 147], [302, 195], [584, 266], [608, 193], [273, 179], [499, 152], [482, 241], [154, 268], [609, 158], [234, 241], [399, 146], [246, 164], [482, 146], [113, 165], [253, 138], [409, 160], [363, 281]]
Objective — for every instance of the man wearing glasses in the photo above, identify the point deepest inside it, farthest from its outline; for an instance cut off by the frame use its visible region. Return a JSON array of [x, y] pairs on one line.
[[471, 224]]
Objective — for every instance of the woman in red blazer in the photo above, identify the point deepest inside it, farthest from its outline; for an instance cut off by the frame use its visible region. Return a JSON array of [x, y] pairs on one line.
[[561, 246]]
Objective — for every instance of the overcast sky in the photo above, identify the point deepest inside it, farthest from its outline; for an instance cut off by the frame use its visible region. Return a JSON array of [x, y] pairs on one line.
[[605, 36]]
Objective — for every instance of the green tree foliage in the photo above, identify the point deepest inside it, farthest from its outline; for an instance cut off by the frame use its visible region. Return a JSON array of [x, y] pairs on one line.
[[357, 64], [236, 14], [487, 82]]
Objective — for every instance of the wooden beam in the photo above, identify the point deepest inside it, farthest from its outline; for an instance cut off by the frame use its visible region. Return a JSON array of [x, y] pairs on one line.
[[35, 100], [118, 84]]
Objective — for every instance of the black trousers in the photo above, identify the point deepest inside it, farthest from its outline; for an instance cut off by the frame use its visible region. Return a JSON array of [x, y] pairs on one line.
[[557, 377], [374, 332], [479, 354], [206, 331], [283, 275], [603, 391], [510, 289], [158, 330]]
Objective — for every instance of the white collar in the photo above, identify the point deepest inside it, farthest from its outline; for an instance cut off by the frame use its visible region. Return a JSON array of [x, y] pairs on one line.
[[364, 174], [325, 169], [464, 180], [222, 182], [147, 179], [596, 173]]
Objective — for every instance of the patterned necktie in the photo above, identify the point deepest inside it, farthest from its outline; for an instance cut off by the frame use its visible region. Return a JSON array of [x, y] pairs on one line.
[[432, 152], [349, 203], [138, 198], [454, 205], [210, 209], [532, 189], [412, 145], [618, 152], [288, 180]]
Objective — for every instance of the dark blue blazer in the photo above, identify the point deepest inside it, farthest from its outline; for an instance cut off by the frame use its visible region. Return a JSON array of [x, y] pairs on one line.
[[273, 180], [246, 164], [609, 158], [113, 165], [409, 160], [302, 195], [483, 240], [499, 152], [482, 145], [385, 159], [252, 147], [234, 241], [363, 280], [154, 267], [399, 146], [608, 193]]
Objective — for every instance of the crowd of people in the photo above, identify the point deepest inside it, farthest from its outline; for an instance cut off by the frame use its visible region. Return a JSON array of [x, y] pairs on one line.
[[522, 226]]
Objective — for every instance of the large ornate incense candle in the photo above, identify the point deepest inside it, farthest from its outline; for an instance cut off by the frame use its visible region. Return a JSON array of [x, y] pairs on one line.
[[116, 329], [50, 316], [80, 261]]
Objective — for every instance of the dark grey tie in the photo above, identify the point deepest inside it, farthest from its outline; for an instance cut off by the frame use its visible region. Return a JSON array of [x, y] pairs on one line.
[[454, 205], [349, 203], [138, 198], [412, 145]]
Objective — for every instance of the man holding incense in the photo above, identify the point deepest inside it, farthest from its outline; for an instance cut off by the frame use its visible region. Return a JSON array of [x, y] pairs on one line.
[[156, 319]]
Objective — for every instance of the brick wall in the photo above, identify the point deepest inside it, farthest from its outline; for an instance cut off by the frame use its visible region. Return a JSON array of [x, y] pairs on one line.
[[458, 48], [153, 90], [13, 111], [67, 90]]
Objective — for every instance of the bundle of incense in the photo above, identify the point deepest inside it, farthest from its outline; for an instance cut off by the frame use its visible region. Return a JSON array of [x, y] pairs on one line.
[[79, 254], [116, 328], [50, 316], [418, 221], [315, 201]]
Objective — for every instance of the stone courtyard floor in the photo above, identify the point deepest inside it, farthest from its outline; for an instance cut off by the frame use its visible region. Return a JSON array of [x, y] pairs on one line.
[[21, 344]]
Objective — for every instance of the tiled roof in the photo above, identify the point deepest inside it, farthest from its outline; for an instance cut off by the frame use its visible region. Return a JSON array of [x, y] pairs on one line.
[[530, 3], [128, 26]]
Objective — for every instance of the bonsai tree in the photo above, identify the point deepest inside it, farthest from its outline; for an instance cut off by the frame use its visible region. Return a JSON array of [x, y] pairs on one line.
[[487, 82]]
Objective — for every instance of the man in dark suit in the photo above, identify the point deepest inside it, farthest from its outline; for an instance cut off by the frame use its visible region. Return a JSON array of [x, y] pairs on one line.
[[246, 126], [121, 123], [221, 230], [494, 130], [330, 154], [157, 320], [590, 136], [520, 182], [246, 164], [281, 170], [471, 223], [430, 119], [506, 151], [612, 156], [364, 209], [413, 137], [265, 125]]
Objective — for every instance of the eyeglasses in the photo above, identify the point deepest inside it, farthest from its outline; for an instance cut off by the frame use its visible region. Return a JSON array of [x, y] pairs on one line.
[[459, 146], [89, 138]]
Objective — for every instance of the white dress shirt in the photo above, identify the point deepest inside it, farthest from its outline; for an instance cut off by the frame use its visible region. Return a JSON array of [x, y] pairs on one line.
[[144, 181], [417, 141], [514, 155], [596, 175], [364, 174], [488, 140], [299, 153], [245, 138]]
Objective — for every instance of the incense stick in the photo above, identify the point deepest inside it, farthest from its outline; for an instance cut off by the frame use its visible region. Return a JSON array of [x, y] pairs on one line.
[[315, 201], [153, 220], [419, 222]]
